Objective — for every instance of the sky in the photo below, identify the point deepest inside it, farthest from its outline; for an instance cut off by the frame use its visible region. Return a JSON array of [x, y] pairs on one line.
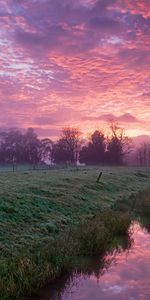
[[81, 63]]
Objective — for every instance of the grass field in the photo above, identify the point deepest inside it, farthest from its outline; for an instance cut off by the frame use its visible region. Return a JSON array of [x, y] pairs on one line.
[[38, 206]]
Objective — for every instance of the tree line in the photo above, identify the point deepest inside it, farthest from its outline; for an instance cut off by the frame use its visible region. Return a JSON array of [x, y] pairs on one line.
[[26, 148]]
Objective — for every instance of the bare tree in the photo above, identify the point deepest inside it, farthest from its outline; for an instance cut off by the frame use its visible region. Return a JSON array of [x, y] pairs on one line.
[[119, 145], [71, 136], [66, 150]]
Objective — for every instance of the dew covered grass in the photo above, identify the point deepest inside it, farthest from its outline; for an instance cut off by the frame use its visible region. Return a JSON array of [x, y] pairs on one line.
[[39, 208]]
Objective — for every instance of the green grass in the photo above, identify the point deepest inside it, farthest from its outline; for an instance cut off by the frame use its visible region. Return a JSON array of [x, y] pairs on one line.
[[139, 204], [37, 208], [30, 268]]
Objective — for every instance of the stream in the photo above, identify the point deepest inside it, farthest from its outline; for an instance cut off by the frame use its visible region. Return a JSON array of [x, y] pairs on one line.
[[123, 273]]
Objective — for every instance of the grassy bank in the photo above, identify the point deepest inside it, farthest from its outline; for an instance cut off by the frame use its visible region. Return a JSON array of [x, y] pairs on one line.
[[38, 208], [138, 204], [24, 273]]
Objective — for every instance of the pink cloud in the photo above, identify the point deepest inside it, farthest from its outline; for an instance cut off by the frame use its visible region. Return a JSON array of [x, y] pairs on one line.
[[77, 62], [125, 118]]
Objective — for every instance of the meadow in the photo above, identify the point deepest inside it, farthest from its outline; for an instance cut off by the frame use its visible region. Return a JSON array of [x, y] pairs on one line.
[[40, 209]]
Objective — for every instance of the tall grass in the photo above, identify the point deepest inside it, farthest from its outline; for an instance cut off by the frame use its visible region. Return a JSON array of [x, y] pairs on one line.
[[30, 270], [138, 204]]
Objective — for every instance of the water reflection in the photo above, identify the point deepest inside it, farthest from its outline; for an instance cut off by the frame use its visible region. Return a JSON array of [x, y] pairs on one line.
[[86, 276], [123, 273]]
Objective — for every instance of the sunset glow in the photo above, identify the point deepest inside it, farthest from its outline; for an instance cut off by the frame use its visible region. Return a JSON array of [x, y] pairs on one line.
[[81, 63]]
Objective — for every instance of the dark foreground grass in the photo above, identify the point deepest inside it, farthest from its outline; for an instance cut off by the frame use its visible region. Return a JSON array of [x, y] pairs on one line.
[[31, 268]]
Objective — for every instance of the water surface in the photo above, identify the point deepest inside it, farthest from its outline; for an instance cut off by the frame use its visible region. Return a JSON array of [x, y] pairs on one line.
[[122, 274]]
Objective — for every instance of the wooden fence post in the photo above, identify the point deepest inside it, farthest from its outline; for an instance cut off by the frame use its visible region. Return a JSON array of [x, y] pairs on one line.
[[99, 177]]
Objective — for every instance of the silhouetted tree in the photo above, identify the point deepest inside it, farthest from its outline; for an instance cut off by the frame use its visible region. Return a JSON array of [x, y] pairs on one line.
[[85, 155], [31, 147], [18, 147], [118, 145], [61, 154], [94, 152], [11, 146], [67, 148]]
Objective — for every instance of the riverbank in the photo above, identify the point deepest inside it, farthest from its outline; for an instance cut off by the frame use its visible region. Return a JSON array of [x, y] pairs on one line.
[[122, 273], [38, 209]]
